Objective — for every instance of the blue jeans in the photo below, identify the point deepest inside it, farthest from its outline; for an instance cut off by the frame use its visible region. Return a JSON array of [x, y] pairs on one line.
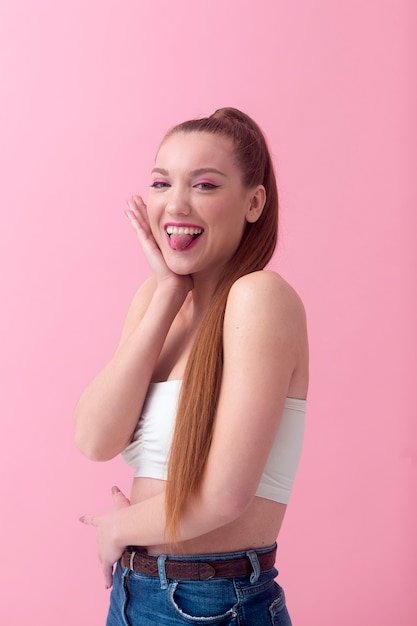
[[141, 600]]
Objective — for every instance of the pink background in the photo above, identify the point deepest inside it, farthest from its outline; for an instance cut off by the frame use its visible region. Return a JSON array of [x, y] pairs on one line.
[[87, 90]]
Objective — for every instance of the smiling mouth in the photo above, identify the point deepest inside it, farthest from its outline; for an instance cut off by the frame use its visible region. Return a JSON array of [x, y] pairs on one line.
[[181, 237]]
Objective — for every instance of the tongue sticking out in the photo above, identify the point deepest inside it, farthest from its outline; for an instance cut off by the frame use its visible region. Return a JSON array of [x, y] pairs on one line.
[[179, 242]]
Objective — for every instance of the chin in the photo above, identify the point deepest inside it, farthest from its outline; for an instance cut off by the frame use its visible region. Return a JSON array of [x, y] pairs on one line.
[[179, 269]]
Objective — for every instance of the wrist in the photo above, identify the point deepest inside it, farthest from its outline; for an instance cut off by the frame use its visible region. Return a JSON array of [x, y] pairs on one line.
[[117, 529], [171, 292]]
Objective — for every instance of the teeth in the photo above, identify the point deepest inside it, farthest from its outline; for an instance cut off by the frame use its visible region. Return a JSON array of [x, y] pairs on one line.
[[186, 230]]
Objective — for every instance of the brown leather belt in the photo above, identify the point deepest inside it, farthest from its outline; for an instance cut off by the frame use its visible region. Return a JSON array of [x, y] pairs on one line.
[[139, 561]]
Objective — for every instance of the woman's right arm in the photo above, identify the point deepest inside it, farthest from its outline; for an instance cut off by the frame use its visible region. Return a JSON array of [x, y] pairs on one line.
[[107, 412]]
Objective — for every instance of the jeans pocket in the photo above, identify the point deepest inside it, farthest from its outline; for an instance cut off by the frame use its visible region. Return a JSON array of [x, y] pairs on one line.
[[205, 603], [278, 611]]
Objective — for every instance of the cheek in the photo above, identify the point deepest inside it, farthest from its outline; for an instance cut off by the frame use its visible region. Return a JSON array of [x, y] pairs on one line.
[[231, 214], [235, 222]]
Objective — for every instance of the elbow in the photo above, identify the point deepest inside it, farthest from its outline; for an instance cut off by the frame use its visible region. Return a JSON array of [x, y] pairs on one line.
[[94, 454], [87, 442], [227, 507], [91, 452], [92, 449], [97, 447], [236, 505]]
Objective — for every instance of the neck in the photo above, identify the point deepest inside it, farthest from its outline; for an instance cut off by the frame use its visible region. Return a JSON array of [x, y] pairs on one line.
[[197, 303], [202, 292]]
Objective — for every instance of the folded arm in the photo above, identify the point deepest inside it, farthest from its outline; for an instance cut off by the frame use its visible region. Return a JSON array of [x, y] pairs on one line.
[[108, 410], [264, 340]]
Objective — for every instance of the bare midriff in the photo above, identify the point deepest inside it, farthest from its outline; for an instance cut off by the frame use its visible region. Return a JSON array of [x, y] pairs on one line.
[[258, 527]]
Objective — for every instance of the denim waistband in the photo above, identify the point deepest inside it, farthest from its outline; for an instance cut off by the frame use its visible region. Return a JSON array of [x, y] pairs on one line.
[[243, 563], [220, 556]]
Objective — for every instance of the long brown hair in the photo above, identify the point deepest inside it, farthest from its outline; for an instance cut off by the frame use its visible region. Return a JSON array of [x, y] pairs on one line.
[[201, 384]]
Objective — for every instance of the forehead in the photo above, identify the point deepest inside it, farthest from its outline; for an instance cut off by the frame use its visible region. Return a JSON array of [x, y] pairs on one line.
[[194, 150]]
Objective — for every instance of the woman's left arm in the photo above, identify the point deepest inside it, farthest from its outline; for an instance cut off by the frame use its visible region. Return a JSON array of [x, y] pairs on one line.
[[264, 343]]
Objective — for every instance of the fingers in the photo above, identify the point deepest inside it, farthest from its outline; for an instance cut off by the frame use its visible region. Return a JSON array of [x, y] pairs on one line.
[[134, 217], [90, 520], [138, 218], [119, 501], [108, 575], [137, 204], [136, 212], [119, 498]]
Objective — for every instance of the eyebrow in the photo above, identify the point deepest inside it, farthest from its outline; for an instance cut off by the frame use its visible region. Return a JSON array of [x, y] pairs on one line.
[[198, 172]]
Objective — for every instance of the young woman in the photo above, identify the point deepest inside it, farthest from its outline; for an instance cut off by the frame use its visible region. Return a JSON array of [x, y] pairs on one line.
[[205, 395]]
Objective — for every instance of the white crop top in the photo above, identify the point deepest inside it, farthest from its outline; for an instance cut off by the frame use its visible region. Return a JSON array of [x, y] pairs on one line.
[[149, 449]]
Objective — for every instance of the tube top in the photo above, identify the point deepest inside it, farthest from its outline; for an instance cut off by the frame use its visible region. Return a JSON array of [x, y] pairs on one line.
[[149, 449]]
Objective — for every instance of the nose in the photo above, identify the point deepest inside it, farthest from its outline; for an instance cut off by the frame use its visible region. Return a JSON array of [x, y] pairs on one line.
[[178, 202]]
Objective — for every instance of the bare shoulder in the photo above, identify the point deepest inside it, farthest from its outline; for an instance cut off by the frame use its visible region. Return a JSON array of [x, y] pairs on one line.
[[265, 320], [265, 295]]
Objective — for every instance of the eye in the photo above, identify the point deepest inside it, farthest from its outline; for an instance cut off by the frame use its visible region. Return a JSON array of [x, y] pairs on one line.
[[206, 186], [159, 184]]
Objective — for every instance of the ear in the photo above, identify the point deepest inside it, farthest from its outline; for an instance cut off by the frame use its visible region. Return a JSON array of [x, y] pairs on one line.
[[257, 202]]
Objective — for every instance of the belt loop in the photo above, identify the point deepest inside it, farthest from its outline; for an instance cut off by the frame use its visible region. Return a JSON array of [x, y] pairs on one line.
[[253, 558], [132, 560], [161, 571]]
